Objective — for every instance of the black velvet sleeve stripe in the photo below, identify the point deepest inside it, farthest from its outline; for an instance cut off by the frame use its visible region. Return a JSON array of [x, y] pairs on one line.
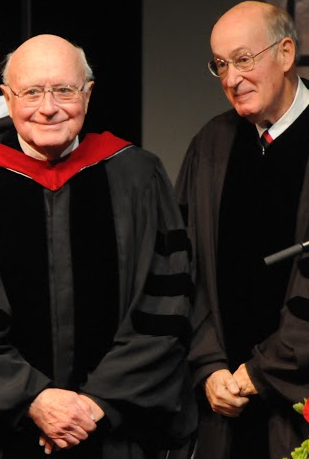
[[162, 325], [173, 241], [169, 285], [299, 307]]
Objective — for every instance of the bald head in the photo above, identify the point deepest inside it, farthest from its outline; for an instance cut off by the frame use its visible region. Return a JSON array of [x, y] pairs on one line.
[[249, 7], [45, 53], [245, 15], [262, 19]]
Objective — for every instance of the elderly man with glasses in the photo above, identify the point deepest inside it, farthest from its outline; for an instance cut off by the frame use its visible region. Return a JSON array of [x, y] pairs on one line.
[[244, 190], [94, 297]]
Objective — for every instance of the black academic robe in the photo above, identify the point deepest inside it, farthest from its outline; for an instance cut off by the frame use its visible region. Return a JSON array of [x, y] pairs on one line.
[[6, 125], [279, 365], [94, 297]]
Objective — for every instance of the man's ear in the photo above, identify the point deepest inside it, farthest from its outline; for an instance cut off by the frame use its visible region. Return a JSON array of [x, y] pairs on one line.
[[287, 49], [88, 91], [7, 95]]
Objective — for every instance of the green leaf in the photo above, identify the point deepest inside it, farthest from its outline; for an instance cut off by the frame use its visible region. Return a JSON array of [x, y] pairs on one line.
[[301, 452], [299, 407]]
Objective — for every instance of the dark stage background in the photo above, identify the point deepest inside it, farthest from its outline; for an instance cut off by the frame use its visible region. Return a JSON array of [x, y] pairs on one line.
[[110, 34]]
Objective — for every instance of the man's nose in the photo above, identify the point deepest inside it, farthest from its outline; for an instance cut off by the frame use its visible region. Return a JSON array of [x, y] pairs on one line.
[[233, 76], [48, 101]]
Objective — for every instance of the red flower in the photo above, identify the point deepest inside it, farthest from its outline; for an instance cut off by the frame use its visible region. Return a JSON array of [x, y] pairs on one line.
[[306, 410]]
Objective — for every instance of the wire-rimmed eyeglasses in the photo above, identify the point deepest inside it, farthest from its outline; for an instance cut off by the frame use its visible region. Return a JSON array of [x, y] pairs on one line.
[[62, 93], [245, 62]]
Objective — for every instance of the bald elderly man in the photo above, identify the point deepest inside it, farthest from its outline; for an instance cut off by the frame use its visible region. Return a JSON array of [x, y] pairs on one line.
[[95, 286], [243, 185]]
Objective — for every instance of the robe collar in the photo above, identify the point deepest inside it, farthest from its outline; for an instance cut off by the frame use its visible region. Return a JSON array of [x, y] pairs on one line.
[[53, 175]]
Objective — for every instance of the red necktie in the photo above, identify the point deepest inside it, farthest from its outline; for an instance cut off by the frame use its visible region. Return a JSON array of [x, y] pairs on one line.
[[266, 140]]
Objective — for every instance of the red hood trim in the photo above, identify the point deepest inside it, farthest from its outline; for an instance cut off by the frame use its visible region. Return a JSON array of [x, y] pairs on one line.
[[94, 148]]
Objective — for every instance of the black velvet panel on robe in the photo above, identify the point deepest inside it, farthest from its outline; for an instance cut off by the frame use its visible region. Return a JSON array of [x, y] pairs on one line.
[[95, 268], [24, 267]]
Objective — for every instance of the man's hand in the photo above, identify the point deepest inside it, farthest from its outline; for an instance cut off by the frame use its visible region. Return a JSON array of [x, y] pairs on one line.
[[244, 382], [48, 444], [96, 411], [97, 414], [223, 394], [63, 416]]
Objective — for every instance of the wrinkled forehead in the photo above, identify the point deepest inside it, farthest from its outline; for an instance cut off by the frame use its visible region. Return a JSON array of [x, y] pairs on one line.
[[243, 26], [32, 65], [237, 31]]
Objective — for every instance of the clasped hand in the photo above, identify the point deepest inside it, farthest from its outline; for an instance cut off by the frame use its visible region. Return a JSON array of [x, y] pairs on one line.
[[228, 393], [64, 417]]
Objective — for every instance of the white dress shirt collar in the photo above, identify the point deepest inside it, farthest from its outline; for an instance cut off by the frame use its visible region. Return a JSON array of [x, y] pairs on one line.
[[300, 103], [30, 151]]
